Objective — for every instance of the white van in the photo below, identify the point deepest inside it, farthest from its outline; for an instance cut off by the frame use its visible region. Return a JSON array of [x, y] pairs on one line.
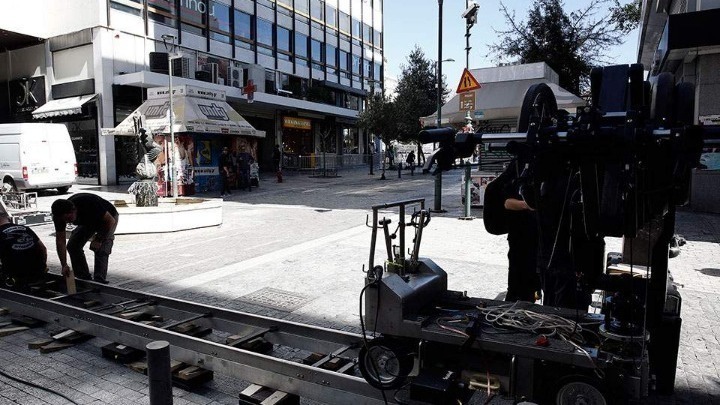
[[36, 156]]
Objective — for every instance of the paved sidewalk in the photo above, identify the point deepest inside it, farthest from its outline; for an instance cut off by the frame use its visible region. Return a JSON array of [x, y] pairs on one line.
[[307, 238]]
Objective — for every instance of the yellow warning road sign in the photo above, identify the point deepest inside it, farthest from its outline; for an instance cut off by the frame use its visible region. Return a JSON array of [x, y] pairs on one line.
[[467, 82]]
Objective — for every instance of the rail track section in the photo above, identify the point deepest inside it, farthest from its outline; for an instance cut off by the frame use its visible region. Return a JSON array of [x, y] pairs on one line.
[[121, 316]]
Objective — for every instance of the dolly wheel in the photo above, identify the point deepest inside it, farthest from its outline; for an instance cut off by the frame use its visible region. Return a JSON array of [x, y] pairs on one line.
[[384, 363], [579, 393]]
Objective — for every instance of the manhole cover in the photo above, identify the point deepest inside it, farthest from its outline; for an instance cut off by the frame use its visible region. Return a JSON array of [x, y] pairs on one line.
[[277, 299]]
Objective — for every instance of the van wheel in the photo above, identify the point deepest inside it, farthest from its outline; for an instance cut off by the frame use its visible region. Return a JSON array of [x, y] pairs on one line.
[[9, 186], [63, 190]]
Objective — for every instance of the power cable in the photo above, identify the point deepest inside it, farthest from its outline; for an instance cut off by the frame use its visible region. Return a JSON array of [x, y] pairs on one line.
[[31, 384]]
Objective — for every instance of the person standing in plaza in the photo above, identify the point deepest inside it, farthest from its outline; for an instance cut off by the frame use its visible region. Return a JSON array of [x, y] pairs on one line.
[[96, 220], [410, 160], [225, 167], [523, 278], [23, 255]]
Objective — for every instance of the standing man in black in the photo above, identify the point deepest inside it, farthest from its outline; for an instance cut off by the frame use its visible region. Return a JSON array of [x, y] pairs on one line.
[[23, 255], [95, 218], [523, 279], [225, 167], [276, 157]]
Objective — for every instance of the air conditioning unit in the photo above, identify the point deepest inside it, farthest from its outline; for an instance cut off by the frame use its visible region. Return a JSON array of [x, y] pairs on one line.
[[159, 62], [234, 75], [211, 68], [181, 67]]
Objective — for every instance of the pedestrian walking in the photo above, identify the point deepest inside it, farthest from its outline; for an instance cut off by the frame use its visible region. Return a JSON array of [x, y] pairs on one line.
[[225, 167], [96, 220], [410, 160]]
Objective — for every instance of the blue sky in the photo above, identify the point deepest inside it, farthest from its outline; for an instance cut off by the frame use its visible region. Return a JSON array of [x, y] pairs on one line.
[[410, 22]]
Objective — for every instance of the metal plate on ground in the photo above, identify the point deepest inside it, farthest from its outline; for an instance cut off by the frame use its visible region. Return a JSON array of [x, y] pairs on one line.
[[277, 299]]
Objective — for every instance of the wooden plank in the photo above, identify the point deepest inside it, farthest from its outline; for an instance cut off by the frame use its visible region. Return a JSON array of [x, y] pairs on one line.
[[36, 344], [55, 346], [12, 329]]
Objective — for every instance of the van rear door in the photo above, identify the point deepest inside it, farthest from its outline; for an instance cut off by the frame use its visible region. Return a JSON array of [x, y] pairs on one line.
[[36, 150], [62, 157]]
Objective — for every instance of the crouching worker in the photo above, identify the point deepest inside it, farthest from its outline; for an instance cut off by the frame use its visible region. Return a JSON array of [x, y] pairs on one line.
[[23, 255], [96, 219]]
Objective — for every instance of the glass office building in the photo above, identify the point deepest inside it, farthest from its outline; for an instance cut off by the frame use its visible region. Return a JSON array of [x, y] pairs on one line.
[[299, 70]]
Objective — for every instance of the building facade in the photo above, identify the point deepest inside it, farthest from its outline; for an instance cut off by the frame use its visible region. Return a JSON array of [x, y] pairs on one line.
[[299, 70], [681, 37]]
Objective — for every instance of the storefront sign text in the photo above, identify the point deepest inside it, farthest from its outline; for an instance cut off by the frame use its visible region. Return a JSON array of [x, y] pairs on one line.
[[206, 171], [297, 123], [214, 112]]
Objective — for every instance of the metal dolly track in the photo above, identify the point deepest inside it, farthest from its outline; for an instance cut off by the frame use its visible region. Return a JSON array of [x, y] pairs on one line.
[[306, 381]]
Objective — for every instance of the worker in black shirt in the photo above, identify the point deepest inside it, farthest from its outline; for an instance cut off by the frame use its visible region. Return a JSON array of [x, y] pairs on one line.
[[23, 255], [95, 218], [523, 280]]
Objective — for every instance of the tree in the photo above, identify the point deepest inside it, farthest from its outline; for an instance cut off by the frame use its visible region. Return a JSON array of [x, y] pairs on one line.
[[416, 95], [379, 118], [571, 44]]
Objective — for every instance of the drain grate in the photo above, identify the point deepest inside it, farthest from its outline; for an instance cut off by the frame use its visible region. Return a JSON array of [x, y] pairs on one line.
[[277, 299]]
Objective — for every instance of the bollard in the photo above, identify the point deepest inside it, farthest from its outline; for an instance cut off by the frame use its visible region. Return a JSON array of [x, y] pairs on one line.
[[159, 377], [468, 182], [399, 170], [437, 206]]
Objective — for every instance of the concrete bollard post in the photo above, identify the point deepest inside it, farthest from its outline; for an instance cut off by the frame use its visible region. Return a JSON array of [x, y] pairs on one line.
[[159, 377]]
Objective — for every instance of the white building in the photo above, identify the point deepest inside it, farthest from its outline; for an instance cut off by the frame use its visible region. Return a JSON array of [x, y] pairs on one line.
[[89, 64], [681, 37]]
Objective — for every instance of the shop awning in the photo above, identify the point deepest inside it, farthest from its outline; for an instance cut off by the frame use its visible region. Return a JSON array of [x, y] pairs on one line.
[[500, 100], [190, 114], [62, 106]]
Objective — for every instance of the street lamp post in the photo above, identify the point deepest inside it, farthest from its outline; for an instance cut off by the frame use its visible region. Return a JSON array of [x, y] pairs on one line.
[[173, 163]]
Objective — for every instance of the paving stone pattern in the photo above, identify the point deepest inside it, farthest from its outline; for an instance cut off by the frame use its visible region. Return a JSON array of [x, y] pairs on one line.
[[307, 237]]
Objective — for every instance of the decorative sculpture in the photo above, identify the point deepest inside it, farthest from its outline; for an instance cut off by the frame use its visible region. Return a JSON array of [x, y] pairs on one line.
[[145, 188]]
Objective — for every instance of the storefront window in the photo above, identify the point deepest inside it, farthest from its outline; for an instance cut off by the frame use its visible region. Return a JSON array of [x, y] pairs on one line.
[[83, 134], [350, 141], [162, 11]]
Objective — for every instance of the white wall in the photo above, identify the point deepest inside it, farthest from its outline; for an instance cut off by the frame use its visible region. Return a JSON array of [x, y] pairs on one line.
[[49, 18], [73, 64], [26, 62]]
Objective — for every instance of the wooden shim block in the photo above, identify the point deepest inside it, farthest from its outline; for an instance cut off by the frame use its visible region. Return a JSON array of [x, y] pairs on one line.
[[55, 346], [259, 395], [184, 328], [176, 365], [139, 366], [36, 344], [63, 334], [4, 311], [12, 329], [186, 372], [4, 324], [91, 303], [333, 364], [313, 358]]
